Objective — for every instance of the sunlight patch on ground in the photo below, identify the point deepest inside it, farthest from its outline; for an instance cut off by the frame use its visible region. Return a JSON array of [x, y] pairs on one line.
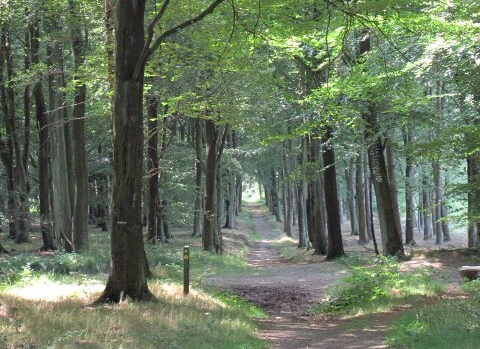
[[286, 239], [45, 290], [174, 293]]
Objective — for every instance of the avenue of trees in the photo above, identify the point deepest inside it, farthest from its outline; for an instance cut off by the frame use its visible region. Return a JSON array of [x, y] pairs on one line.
[[124, 114]]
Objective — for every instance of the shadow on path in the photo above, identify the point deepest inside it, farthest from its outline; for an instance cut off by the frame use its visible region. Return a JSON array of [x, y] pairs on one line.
[[286, 291]]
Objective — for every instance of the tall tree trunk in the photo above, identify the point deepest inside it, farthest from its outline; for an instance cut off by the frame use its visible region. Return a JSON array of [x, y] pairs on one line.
[[368, 199], [231, 199], [335, 243], [473, 176], [220, 209], [361, 212], [427, 216], [110, 48], [6, 147], [60, 181], [301, 200], [48, 236], [438, 201], [210, 213], [301, 212], [152, 169], [199, 187], [445, 225], [27, 120], [127, 276], [350, 177], [392, 244], [318, 200], [409, 178], [393, 184], [19, 181], [80, 207], [288, 195], [274, 195]]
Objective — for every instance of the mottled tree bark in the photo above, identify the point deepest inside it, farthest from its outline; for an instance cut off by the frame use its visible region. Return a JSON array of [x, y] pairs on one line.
[[127, 276], [335, 242], [393, 184], [427, 216], [392, 244], [62, 216], [215, 145], [437, 179], [199, 187], [18, 186], [409, 178], [274, 195], [152, 169], [360, 194], [350, 177], [301, 200], [48, 236], [80, 180]]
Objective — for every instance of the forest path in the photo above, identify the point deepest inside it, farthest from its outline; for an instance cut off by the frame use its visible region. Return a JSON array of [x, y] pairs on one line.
[[286, 291]]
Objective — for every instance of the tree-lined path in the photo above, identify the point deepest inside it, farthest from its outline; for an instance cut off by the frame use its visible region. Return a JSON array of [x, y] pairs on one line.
[[286, 291]]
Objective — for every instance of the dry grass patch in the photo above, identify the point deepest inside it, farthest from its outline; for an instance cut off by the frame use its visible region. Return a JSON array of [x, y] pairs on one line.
[[174, 321]]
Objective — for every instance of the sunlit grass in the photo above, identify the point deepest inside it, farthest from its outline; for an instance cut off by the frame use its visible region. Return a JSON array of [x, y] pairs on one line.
[[45, 297], [443, 324], [174, 321], [376, 285]]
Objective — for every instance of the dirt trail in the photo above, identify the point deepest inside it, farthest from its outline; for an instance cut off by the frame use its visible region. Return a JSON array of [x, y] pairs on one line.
[[286, 291]]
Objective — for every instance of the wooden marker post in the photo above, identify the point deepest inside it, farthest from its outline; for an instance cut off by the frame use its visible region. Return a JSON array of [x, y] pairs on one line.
[[186, 269]]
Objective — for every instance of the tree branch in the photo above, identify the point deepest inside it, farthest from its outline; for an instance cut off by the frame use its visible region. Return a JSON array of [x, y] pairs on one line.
[[142, 60], [224, 140], [181, 26]]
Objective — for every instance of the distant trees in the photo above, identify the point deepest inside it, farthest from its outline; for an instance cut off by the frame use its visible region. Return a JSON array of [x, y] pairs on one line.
[[332, 108]]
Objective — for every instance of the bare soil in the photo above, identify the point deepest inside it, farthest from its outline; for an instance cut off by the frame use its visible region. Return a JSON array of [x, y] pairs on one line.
[[286, 290]]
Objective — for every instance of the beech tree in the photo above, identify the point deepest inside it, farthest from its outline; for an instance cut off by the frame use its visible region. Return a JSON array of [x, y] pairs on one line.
[[127, 276]]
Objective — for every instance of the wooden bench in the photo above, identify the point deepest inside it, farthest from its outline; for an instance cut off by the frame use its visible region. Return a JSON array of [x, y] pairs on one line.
[[470, 272]]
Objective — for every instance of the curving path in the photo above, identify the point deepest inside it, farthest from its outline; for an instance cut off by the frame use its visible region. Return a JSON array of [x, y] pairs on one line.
[[286, 291]]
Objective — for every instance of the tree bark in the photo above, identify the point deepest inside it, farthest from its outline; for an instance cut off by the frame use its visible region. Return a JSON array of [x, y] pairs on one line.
[[6, 147], [392, 182], [48, 236], [368, 199], [427, 216], [274, 195], [316, 221], [18, 181], [335, 242], [127, 276], [301, 200], [152, 169], [438, 202], [288, 195], [60, 182], [210, 215], [392, 244], [211, 239], [350, 177], [409, 178], [361, 212], [199, 187], [445, 225], [473, 175], [80, 180]]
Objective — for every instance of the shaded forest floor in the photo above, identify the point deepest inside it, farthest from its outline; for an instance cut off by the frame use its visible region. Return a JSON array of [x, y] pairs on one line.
[[287, 282]]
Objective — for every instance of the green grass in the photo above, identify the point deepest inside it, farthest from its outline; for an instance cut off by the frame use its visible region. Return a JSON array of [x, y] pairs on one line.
[[45, 297], [376, 284], [441, 324]]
